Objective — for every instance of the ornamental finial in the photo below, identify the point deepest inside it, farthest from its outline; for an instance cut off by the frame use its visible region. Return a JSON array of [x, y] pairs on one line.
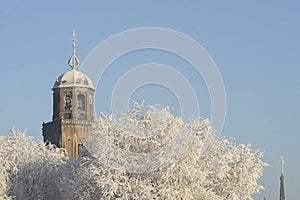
[[281, 162], [74, 61]]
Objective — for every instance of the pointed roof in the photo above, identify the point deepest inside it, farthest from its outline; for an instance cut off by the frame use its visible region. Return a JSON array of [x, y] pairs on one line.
[[282, 195]]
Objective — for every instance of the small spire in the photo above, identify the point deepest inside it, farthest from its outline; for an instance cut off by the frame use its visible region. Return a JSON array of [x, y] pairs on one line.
[[281, 162], [282, 193], [74, 61]]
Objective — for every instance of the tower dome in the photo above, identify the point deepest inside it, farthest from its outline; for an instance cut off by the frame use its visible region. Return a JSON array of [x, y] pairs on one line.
[[73, 78]]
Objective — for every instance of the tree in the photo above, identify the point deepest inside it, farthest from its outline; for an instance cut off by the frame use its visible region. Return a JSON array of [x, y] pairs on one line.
[[28, 168], [148, 153]]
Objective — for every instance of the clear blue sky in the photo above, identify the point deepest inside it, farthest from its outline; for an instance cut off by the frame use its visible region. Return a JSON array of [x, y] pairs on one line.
[[255, 45]]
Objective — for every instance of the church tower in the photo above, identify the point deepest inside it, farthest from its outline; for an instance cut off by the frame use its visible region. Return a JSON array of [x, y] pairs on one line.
[[282, 196], [73, 109]]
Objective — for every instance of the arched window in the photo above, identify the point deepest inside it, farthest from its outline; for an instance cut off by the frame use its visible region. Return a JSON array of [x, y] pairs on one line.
[[81, 102]]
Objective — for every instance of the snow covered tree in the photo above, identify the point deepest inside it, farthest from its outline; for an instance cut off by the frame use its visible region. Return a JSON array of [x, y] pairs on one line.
[[29, 169], [148, 153]]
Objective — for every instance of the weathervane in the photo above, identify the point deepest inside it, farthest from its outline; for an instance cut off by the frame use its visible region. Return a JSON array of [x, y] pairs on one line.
[[74, 61]]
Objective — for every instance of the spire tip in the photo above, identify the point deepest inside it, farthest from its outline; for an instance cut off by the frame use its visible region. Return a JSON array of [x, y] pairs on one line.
[[74, 61], [281, 161]]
